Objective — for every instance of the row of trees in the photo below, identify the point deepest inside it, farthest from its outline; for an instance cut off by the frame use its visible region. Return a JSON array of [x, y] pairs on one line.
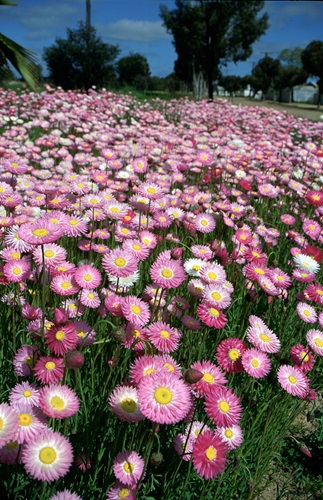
[[293, 67]]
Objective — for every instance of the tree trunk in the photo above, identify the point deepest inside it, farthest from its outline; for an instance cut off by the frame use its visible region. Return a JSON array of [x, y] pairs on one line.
[[88, 19], [210, 88]]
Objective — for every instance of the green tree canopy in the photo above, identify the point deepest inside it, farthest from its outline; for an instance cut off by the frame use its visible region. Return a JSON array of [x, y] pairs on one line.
[[207, 34], [312, 59], [133, 70], [264, 74], [81, 60], [291, 57], [23, 60]]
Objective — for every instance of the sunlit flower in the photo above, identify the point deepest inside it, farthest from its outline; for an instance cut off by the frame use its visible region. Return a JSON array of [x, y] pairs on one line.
[[209, 455], [293, 380]]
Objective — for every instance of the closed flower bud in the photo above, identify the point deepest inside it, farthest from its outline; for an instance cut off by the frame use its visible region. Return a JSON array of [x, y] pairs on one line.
[[74, 359], [191, 376], [156, 458], [119, 334], [305, 450], [176, 253]]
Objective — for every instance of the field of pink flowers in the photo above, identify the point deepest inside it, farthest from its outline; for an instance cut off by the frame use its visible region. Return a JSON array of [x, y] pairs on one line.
[[161, 294]]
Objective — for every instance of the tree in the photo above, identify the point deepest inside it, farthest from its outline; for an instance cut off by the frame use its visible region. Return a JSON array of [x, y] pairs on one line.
[[312, 59], [291, 57], [208, 34], [134, 70], [231, 83], [288, 77], [23, 60], [81, 61], [264, 73]]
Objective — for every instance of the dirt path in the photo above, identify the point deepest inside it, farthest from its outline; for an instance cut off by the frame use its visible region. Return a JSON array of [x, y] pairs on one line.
[[309, 111]]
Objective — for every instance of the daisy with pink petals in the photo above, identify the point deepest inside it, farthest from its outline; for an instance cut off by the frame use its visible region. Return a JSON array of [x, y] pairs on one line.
[[89, 298], [256, 363], [58, 401], [88, 277], [16, 270], [49, 370], [128, 467], [212, 377], [48, 457], [120, 263], [293, 381], [211, 316], [120, 490], [164, 398], [138, 249], [167, 273], [302, 357], [315, 341], [9, 424], [24, 393], [61, 338], [64, 284], [39, 232], [31, 422], [229, 354], [213, 274], [124, 403], [263, 338], [223, 407], [51, 255], [65, 495], [163, 337], [306, 312], [209, 455], [145, 366], [204, 223], [217, 296], [135, 310], [231, 436]]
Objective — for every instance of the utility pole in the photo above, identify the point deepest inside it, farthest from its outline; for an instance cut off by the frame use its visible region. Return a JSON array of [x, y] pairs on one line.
[[88, 20]]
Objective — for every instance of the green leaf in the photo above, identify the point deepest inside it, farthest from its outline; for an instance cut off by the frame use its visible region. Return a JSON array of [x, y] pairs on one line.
[[11, 3], [22, 59]]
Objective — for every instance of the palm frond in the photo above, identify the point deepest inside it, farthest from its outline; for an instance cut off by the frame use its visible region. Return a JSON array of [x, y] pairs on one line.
[[22, 59], [8, 2]]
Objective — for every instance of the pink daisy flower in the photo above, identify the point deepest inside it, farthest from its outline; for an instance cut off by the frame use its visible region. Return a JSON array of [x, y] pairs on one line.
[[216, 296], [61, 338], [58, 401], [89, 298], [279, 278], [85, 333], [231, 436], [183, 446], [144, 366], [135, 337], [25, 359], [190, 323], [75, 226], [202, 251], [30, 423], [163, 337], [87, 277], [138, 249], [10, 453], [212, 377], [223, 407], [164, 398], [256, 363], [16, 271], [48, 457], [49, 370], [315, 341], [209, 455], [211, 316], [303, 276], [119, 263], [64, 284], [39, 232], [204, 223], [120, 490], [9, 424], [306, 312], [264, 339], [293, 380], [24, 393], [52, 255], [135, 310], [124, 403], [167, 273], [128, 467], [213, 274], [229, 353], [302, 358], [314, 292], [65, 495]]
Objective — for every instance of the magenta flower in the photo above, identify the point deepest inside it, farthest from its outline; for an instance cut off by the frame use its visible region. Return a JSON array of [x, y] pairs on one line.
[[293, 381], [256, 363], [167, 273], [223, 407], [135, 310], [209, 455], [163, 337], [228, 355], [49, 370]]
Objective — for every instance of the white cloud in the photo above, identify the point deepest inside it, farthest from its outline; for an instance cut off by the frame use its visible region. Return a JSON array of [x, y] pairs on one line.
[[135, 31]]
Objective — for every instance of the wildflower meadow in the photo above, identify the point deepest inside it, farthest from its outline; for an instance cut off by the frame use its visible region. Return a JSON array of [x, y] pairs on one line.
[[161, 295]]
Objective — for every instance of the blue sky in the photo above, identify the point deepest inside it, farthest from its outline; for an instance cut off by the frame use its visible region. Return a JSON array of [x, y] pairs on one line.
[[135, 26]]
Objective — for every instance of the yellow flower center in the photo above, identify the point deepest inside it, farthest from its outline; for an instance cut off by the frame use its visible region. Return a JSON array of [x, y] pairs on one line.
[[224, 407], [208, 377], [149, 371], [49, 253], [135, 246], [26, 394], [319, 292], [39, 233], [258, 270], [73, 222], [24, 419], [255, 363], [228, 433], [120, 262], [128, 467], [210, 453], [216, 296], [114, 210], [16, 271], [15, 255], [57, 403], [50, 365], [292, 379], [196, 267], [167, 273], [304, 356], [151, 190], [47, 455], [29, 361], [306, 312], [60, 335], [165, 334], [163, 395], [214, 312], [66, 285], [80, 334], [128, 405], [212, 275], [136, 309], [94, 201], [169, 367], [234, 354], [264, 337], [318, 342], [204, 222], [87, 277]]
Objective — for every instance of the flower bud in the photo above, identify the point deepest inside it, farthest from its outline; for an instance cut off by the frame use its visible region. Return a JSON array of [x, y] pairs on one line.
[[156, 458], [191, 376], [119, 334], [176, 253], [74, 359]]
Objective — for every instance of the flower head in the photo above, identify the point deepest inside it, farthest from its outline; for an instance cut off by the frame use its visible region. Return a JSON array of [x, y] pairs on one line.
[[209, 455], [128, 467]]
